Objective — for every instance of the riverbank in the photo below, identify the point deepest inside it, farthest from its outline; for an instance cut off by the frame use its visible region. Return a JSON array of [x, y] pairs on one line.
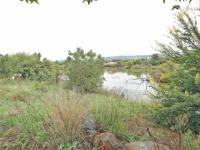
[[37, 115]]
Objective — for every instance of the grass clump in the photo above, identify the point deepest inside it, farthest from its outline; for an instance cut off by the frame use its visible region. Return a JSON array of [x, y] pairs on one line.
[[66, 113]]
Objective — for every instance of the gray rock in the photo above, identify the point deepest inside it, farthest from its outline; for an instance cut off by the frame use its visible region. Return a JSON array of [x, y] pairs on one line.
[[89, 124]]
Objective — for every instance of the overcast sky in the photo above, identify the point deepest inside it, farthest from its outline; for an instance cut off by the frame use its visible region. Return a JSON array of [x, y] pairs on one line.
[[109, 27]]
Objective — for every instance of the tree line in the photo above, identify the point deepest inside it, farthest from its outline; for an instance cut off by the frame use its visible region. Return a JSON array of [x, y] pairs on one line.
[[82, 70]]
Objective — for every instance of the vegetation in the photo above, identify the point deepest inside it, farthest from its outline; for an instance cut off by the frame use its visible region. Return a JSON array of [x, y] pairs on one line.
[[180, 96], [26, 66], [60, 105], [52, 118], [38, 112], [89, 65]]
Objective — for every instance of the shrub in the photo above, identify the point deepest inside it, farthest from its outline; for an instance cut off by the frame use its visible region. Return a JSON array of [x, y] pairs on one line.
[[174, 104], [85, 70]]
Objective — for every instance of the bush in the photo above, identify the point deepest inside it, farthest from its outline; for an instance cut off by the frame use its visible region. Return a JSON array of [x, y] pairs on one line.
[[176, 104], [85, 71]]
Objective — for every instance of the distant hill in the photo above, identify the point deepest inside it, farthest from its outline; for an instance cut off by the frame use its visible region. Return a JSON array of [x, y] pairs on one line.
[[126, 57]]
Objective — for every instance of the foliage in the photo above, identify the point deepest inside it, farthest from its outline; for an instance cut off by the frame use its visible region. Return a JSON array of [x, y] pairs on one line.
[[178, 6], [164, 71], [180, 97], [26, 66], [89, 1], [156, 59], [85, 70]]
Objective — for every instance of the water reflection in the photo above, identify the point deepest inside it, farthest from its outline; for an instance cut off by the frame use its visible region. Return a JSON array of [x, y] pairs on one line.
[[135, 72], [129, 86]]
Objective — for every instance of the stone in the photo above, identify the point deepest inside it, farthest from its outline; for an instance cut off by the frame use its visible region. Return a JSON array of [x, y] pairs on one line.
[[89, 124], [105, 141], [150, 145]]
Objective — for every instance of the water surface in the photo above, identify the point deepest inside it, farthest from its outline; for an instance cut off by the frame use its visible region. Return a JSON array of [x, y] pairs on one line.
[[128, 86]]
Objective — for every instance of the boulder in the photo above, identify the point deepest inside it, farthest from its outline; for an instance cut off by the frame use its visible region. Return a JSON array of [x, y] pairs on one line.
[[105, 141], [89, 124], [150, 145]]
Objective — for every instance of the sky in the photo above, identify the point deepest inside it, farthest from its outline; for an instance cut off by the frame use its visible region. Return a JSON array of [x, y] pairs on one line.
[[108, 27]]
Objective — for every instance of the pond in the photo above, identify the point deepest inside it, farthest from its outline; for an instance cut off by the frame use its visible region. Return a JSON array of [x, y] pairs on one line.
[[128, 86]]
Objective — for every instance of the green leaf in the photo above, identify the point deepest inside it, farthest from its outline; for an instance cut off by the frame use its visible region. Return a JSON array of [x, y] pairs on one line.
[[176, 7]]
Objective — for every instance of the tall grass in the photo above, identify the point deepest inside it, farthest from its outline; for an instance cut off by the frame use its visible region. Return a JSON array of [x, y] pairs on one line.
[[113, 113], [108, 114], [66, 111]]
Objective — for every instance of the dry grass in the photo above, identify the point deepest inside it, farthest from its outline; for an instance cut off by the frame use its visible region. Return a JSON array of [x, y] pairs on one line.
[[66, 113]]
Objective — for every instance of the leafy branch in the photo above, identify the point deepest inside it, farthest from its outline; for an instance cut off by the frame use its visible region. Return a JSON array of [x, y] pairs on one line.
[[31, 1]]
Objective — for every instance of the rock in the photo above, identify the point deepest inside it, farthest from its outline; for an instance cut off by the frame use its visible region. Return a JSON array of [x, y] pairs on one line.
[[150, 145], [105, 141], [89, 124]]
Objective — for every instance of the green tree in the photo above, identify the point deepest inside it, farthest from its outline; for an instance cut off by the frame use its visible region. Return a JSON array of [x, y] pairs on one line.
[[156, 59], [22, 64], [181, 95], [85, 70]]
